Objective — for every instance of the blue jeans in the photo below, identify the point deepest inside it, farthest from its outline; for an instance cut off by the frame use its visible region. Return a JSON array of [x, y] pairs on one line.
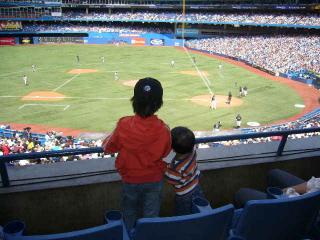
[[183, 204], [137, 197]]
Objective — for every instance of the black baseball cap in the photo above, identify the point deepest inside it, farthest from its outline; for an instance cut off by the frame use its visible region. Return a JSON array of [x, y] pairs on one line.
[[148, 89]]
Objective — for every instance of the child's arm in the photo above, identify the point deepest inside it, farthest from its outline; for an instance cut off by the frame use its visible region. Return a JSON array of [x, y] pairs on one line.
[[173, 177], [111, 143]]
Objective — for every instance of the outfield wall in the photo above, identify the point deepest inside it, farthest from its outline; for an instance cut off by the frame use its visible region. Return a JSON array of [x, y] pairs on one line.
[[138, 39], [131, 38]]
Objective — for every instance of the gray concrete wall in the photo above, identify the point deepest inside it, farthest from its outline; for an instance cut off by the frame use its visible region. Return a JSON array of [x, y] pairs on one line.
[[71, 204]]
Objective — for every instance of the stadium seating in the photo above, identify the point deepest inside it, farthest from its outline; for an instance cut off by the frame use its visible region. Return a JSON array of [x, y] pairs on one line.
[[277, 219], [110, 231], [207, 224]]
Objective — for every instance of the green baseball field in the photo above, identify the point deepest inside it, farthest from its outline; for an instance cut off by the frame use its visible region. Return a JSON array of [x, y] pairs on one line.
[[93, 93]]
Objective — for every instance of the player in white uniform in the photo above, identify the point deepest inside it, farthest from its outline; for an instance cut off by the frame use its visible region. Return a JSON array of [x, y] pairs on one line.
[[116, 76], [33, 67], [102, 59], [25, 80], [172, 63], [238, 121], [213, 102]]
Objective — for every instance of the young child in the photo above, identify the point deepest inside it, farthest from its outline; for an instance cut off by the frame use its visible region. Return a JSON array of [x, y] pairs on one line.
[[141, 141], [183, 173]]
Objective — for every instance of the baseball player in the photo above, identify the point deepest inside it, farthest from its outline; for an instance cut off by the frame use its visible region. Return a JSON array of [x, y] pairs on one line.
[[238, 120], [33, 67], [25, 80], [241, 91], [213, 102], [116, 76], [229, 98], [102, 59], [172, 63], [245, 91]]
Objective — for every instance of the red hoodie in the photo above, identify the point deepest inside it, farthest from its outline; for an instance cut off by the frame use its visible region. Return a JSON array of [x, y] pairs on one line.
[[5, 150], [141, 144]]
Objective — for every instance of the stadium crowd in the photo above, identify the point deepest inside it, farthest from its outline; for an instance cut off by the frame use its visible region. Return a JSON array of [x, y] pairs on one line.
[[278, 54], [312, 122], [204, 17], [219, 17], [91, 27], [25, 143]]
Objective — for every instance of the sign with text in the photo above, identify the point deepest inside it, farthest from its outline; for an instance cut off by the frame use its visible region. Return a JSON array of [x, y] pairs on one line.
[[138, 41], [7, 41], [10, 25], [157, 42]]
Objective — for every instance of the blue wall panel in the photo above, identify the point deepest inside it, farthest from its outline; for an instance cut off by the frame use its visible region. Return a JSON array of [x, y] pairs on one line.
[[149, 39]]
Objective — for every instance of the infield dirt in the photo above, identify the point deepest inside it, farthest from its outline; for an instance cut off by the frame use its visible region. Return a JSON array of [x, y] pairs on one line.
[[205, 100], [43, 96], [79, 71]]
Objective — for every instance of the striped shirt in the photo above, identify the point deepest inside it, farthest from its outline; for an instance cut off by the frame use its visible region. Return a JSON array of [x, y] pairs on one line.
[[183, 173]]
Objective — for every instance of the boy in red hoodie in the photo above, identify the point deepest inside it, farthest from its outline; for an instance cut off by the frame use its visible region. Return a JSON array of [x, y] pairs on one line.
[[141, 141]]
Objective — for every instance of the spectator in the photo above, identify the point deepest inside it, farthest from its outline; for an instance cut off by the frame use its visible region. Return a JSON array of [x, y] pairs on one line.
[[276, 178], [142, 141], [183, 173]]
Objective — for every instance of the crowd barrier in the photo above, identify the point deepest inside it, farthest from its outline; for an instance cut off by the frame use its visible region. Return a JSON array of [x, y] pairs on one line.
[[12, 157]]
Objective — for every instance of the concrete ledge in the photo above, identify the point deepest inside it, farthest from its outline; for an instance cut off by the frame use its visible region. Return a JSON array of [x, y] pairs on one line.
[[86, 172]]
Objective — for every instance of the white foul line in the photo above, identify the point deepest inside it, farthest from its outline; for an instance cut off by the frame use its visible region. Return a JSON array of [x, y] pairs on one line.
[[56, 89], [204, 79], [47, 105], [87, 98]]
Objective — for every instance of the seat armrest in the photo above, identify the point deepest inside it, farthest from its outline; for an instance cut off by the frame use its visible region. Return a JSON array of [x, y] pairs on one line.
[[236, 216]]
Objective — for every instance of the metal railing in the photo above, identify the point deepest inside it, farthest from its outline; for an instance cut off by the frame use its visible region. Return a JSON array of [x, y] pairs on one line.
[[46, 154]]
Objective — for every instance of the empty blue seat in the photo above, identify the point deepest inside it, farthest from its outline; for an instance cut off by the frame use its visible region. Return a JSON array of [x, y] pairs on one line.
[[110, 231], [277, 219], [208, 224]]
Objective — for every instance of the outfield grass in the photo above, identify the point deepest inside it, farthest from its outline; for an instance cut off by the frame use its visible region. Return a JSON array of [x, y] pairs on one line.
[[97, 101]]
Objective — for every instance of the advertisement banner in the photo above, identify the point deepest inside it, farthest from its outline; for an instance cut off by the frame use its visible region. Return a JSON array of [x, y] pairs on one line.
[[43, 40], [7, 41], [26, 40], [188, 32], [138, 41], [157, 42], [10, 25]]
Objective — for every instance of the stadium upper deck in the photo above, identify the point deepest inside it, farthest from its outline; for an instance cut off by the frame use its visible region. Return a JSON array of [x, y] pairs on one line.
[[291, 14]]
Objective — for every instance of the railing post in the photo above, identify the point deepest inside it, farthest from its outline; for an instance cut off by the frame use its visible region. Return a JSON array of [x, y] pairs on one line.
[[4, 174], [282, 144]]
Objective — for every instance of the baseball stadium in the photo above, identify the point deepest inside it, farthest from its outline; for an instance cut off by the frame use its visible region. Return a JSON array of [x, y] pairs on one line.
[[241, 77]]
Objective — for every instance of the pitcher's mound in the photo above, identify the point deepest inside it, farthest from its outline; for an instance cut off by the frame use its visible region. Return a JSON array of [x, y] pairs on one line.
[[130, 83], [195, 73], [205, 100], [78, 71], [43, 96]]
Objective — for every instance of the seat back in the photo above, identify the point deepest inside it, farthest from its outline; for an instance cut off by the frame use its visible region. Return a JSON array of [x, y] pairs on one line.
[[111, 231], [285, 218], [211, 224]]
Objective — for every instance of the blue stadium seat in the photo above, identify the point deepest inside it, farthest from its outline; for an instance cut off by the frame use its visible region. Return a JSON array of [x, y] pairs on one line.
[[208, 224], [110, 231], [277, 219]]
